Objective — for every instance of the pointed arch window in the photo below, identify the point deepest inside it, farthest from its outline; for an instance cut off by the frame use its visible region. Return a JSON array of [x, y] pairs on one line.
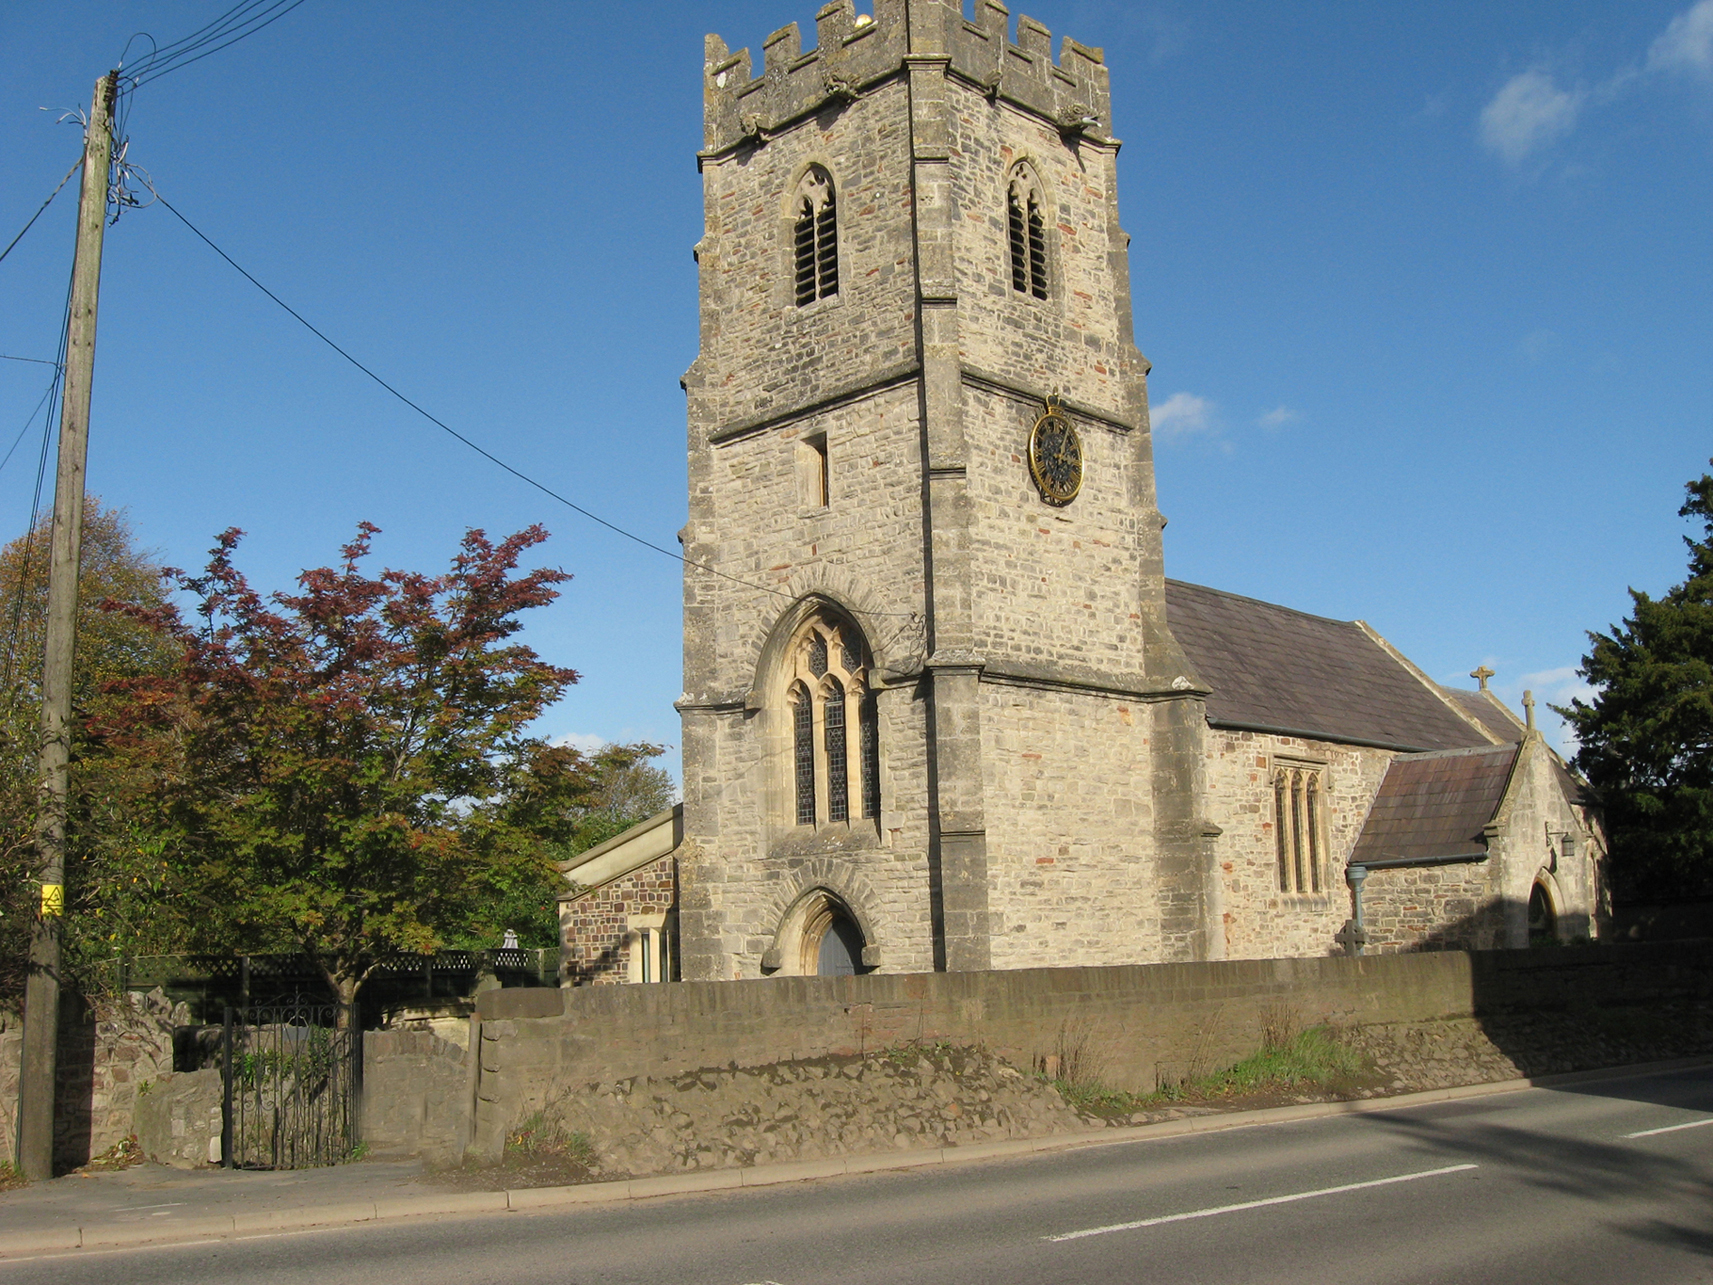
[[803, 752], [1026, 228], [834, 724], [815, 237], [1299, 827], [838, 751]]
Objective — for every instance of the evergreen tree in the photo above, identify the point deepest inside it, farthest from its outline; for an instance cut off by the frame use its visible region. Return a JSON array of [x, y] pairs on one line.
[[1647, 737]]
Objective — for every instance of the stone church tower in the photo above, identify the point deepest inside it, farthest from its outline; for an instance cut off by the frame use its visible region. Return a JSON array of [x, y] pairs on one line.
[[933, 717]]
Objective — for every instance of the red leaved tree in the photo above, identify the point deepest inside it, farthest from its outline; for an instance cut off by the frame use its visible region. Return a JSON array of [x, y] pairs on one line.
[[346, 771]]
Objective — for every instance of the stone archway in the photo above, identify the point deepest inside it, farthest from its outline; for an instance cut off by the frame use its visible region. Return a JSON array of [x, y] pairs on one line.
[[820, 936], [1543, 918]]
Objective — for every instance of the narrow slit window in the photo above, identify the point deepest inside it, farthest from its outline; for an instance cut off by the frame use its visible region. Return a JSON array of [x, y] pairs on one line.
[[812, 471], [1297, 828], [869, 736], [1282, 830], [815, 238], [1314, 833], [838, 782], [803, 752]]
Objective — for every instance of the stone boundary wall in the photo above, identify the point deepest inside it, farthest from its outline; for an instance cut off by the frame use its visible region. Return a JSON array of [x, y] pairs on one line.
[[109, 1049], [1141, 1025]]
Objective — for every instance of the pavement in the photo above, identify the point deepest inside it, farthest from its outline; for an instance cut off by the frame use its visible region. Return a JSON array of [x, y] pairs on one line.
[[155, 1205]]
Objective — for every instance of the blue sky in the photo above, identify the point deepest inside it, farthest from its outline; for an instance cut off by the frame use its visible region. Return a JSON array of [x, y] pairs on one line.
[[1425, 289]]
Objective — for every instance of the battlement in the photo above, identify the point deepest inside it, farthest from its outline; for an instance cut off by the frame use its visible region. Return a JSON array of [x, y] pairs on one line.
[[852, 53]]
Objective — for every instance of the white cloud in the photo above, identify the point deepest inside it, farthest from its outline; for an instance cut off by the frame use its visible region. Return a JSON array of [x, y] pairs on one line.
[[1279, 416], [1550, 687], [1180, 415], [1529, 113], [583, 742], [1687, 42]]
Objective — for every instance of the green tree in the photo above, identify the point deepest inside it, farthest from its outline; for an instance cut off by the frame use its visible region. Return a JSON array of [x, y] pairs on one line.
[[1647, 736], [626, 788], [618, 787], [110, 647], [346, 771]]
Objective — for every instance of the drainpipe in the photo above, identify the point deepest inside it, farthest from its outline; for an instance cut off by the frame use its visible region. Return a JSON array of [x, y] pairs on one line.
[[1355, 937]]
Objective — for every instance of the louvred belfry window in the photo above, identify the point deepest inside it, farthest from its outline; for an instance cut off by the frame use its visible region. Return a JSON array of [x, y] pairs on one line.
[[834, 723], [815, 238], [1026, 229]]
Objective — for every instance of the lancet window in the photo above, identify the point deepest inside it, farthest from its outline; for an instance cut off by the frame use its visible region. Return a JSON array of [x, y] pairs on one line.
[[815, 237], [1299, 827], [834, 724], [1026, 228]]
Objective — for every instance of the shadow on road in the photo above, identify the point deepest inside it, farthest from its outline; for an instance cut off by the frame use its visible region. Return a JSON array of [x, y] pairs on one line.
[[1599, 1172]]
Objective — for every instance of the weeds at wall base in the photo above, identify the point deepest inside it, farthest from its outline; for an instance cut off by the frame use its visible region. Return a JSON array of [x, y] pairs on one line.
[[1314, 1061]]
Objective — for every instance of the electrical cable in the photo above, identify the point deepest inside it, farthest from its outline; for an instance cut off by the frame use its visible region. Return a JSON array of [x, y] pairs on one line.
[[52, 385], [38, 361], [51, 399], [38, 214], [237, 23], [482, 451]]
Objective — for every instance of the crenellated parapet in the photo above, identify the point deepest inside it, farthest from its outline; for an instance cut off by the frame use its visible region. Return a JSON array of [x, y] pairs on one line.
[[853, 53]]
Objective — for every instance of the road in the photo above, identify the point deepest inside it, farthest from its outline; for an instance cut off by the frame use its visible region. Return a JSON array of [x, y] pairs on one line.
[[1604, 1181]]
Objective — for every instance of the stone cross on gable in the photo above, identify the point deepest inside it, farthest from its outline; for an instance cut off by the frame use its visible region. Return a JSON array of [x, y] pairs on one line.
[[1481, 674], [1529, 709]]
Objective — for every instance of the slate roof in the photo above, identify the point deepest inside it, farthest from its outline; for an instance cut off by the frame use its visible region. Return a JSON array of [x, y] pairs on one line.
[[1495, 718], [1435, 805], [1272, 668]]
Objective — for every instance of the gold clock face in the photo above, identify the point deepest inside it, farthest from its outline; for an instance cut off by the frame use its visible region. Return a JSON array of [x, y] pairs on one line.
[[1056, 457]]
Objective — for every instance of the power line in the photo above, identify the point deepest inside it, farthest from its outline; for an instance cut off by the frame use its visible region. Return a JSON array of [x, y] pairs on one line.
[[38, 214], [49, 398], [482, 451], [39, 361], [237, 23]]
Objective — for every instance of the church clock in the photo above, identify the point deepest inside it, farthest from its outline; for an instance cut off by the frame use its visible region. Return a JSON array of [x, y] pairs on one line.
[[1056, 455]]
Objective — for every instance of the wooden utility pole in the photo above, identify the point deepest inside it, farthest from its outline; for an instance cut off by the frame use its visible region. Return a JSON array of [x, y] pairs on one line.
[[42, 988]]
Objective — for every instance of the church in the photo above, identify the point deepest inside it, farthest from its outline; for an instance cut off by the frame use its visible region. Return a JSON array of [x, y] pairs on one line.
[[942, 709]]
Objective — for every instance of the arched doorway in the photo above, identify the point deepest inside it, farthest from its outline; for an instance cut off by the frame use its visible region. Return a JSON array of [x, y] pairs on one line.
[[820, 936], [840, 951], [1543, 923]]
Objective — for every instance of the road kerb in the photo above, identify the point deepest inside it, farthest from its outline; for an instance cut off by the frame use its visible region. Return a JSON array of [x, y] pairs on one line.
[[144, 1232], [678, 1184], [39, 1240], [582, 1194], [443, 1204], [793, 1171], [343, 1213]]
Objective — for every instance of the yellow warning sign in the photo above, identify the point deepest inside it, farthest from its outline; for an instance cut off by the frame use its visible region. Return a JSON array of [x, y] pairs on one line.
[[53, 900]]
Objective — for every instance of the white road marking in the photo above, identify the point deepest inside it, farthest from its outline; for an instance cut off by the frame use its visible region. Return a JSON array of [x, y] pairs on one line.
[[1671, 1128], [1258, 1204]]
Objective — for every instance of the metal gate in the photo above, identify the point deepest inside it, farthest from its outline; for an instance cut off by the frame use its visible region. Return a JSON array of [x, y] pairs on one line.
[[290, 1086]]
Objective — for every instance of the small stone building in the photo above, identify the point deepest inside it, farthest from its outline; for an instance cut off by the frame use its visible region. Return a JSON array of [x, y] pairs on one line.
[[942, 709]]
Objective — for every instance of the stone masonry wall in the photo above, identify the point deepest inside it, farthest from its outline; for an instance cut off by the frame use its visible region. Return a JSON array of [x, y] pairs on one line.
[[1070, 828], [595, 928], [1260, 921], [1153, 1023], [110, 1050], [1056, 590]]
